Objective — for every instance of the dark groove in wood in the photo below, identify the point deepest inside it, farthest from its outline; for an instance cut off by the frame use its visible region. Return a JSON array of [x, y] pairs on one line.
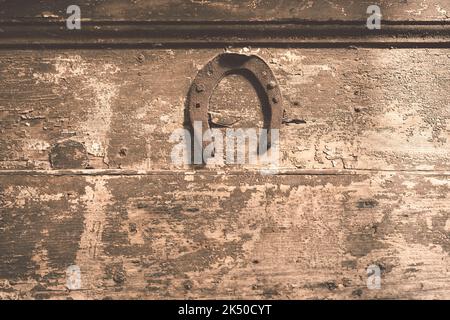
[[299, 22], [127, 35]]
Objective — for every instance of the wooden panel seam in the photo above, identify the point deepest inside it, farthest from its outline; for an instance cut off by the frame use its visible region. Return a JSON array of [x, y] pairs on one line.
[[128, 34]]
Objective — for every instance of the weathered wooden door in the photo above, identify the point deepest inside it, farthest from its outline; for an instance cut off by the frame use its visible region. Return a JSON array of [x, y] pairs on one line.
[[92, 204]]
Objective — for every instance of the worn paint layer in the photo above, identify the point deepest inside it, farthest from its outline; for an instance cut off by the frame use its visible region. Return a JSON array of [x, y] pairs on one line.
[[365, 109], [227, 236]]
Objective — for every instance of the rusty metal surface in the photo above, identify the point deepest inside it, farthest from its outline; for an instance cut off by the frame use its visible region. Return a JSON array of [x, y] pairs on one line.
[[254, 69]]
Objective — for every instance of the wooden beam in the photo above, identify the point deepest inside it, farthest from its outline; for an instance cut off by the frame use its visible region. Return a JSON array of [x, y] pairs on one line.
[[130, 34]]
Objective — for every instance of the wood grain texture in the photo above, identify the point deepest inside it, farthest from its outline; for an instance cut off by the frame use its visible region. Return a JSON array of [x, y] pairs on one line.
[[189, 24], [225, 10], [86, 177], [368, 109], [176, 35], [226, 236]]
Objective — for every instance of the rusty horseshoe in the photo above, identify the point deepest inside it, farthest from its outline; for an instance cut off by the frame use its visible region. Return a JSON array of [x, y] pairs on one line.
[[253, 68]]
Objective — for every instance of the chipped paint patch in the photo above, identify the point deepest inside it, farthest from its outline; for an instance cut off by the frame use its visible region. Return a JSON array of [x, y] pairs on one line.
[[24, 195], [98, 124], [447, 225], [437, 182], [40, 258], [96, 199], [93, 82]]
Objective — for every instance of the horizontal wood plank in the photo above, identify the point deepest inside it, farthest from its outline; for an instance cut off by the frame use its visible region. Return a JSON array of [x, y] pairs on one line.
[[368, 109], [225, 236]]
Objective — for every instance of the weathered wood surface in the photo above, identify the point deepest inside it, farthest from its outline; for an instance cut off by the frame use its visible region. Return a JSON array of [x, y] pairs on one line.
[[130, 35], [225, 10], [367, 109], [226, 236], [86, 177], [175, 23]]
